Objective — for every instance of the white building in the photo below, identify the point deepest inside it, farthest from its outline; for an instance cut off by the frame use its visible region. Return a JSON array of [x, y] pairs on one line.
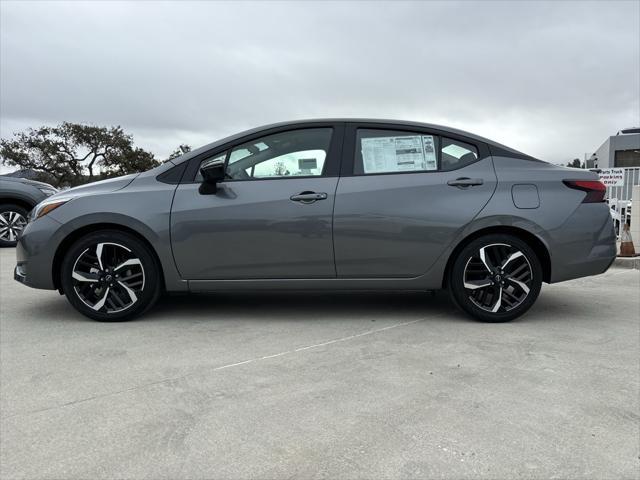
[[619, 150]]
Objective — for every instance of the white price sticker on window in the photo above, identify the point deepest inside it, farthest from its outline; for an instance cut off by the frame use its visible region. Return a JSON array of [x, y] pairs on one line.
[[398, 154]]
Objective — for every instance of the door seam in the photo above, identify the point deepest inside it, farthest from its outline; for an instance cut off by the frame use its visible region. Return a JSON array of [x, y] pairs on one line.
[[335, 199]]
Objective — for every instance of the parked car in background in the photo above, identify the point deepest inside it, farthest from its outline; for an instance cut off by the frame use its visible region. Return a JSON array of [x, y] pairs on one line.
[[325, 205], [17, 197]]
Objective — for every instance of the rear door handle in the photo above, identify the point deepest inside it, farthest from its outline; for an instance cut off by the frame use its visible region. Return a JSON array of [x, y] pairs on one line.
[[308, 197], [464, 182]]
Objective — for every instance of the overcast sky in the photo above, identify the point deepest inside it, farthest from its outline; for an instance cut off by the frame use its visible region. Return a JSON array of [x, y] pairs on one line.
[[552, 79]]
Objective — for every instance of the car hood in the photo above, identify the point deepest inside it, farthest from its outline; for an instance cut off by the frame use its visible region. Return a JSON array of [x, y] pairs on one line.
[[26, 181], [102, 186], [38, 184]]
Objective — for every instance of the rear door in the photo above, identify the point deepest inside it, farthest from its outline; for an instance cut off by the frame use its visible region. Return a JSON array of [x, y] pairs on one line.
[[403, 195], [271, 219]]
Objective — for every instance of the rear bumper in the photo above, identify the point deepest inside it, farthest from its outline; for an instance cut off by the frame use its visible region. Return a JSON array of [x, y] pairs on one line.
[[584, 245]]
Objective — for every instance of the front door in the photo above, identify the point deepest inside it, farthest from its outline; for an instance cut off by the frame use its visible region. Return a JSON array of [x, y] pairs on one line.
[[272, 217]]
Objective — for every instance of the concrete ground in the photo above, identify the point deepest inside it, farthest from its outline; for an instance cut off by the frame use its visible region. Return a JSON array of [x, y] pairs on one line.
[[329, 385]]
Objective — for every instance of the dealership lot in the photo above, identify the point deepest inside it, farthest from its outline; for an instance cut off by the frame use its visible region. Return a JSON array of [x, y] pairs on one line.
[[322, 385]]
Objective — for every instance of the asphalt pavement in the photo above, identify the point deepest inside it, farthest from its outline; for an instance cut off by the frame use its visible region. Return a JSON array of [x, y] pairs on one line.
[[322, 386]]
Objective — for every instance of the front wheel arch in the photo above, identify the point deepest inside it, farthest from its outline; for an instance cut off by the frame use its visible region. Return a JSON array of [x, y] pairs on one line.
[[92, 228], [539, 248], [28, 206]]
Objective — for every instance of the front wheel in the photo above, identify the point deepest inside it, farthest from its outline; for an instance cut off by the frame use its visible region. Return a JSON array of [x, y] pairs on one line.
[[495, 278], [110, 276]]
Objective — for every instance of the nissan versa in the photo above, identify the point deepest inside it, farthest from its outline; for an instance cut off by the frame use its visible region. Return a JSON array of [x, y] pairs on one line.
[[324, 204]]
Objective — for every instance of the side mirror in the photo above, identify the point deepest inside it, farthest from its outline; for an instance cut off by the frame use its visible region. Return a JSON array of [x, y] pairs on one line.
[[212, 172]]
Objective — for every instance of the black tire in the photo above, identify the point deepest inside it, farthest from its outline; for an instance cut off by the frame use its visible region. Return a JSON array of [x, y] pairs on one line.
[[14, 228], [141, 278], [513, 290]]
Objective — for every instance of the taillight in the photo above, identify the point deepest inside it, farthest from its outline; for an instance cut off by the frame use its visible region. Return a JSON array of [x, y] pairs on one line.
[[595, 189]]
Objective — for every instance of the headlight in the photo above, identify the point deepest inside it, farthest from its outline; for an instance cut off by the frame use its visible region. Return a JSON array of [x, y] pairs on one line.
[[48, 191], [47, 206]]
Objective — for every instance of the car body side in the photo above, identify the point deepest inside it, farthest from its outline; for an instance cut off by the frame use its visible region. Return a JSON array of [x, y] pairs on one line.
[[23, 193], [572, 238]]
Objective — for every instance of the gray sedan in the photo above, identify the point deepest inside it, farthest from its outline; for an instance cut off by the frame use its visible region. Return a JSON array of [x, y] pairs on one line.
[[325, 204]]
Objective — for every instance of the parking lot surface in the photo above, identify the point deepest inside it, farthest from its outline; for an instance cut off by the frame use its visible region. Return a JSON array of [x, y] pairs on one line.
[[322, 386]]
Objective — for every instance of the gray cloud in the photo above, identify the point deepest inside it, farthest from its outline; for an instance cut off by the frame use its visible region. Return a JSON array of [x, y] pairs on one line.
[[552, 79]]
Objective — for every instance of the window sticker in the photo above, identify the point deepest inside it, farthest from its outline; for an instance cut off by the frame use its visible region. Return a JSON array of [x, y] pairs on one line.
[[398, 154], [431, 162]]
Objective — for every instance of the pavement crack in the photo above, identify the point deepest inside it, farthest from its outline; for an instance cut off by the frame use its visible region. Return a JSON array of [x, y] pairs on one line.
[[221, 367]]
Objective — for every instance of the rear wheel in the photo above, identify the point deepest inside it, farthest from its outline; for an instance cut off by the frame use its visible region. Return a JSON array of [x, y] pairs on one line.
[[110, 276], [495, 278], [13, 219]]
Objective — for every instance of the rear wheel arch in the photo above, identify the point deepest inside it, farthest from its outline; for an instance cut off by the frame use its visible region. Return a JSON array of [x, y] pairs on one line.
[[71, 238], [537, 245]]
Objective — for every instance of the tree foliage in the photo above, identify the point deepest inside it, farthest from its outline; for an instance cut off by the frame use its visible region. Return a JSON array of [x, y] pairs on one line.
[[280, 169], [71, 153], [575, 163]]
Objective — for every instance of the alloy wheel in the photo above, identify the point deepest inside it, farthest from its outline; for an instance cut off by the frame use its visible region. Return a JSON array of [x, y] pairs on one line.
[[108, 278], [498, 278], [11, 225]]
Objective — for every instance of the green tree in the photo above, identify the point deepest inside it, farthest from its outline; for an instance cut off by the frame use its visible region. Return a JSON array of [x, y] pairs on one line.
[[72, 153], [575, 163], [129, 160], [181, 150], [280, 169]]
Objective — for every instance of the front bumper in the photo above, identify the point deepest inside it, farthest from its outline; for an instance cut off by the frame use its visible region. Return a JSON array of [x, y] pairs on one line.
[[35, 253], [19, 274]]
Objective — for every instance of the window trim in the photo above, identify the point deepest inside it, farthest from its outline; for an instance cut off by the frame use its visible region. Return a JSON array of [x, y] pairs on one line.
[[349, 150], [331, 166]]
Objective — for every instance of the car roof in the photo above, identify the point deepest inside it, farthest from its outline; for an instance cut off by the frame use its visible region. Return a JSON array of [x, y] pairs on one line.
[[499, 149]]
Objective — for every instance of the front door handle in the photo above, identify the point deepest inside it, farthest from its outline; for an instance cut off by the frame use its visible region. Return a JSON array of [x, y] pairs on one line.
[[464, 182], [308, 197]]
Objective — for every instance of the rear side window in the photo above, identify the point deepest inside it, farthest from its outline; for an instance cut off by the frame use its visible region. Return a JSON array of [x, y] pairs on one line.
[[392, 151], [456, 154]]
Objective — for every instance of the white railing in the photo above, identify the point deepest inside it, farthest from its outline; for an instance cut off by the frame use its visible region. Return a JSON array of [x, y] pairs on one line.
[[619, 197], [624, 192]]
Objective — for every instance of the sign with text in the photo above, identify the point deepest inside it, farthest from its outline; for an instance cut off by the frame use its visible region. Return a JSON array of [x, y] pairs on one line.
[[612, 177]]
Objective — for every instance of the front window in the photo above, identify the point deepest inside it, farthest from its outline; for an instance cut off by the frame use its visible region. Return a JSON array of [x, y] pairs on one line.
[[297, 153]]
